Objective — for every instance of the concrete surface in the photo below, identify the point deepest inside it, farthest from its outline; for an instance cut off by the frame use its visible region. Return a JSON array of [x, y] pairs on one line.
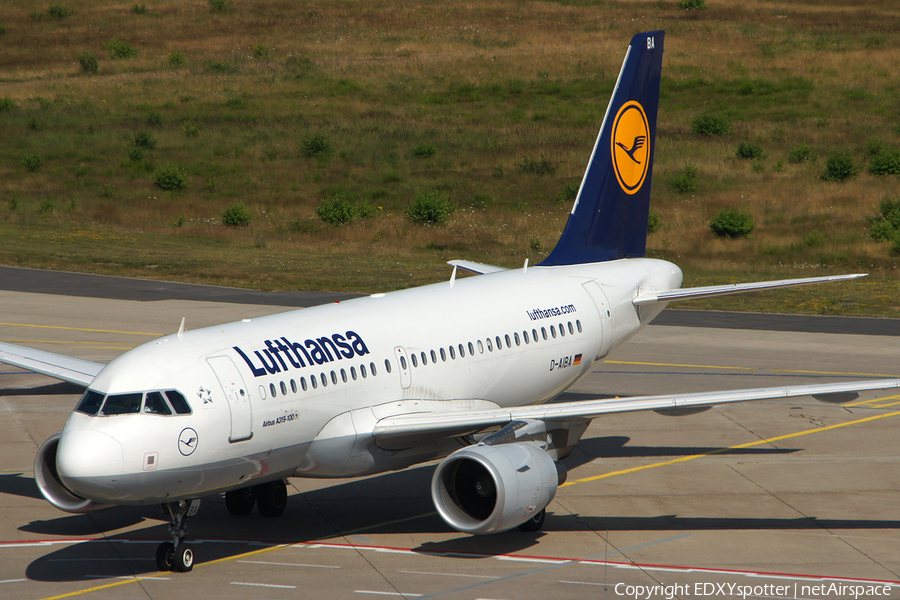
[[650, 500]]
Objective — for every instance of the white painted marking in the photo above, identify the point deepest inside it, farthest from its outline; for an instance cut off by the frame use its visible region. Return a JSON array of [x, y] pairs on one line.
[[281, 564], [130, 577], [451, 574], [393, 551], [13, 580], [267, 585], [533, 560], [386, 593], [581, 582]]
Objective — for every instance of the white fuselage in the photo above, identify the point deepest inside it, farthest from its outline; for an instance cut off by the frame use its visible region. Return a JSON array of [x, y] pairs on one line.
[[298, 393]]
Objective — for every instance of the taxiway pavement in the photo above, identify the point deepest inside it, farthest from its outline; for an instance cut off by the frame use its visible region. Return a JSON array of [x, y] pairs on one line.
[[770, 495]]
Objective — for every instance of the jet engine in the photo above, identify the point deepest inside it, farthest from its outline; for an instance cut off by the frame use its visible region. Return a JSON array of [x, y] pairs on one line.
[[493, 488], [52, 487]]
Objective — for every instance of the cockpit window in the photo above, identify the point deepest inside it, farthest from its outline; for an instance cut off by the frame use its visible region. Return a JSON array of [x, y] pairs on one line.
[[155, 404], [90, 402], [179, 403], [122, 404]]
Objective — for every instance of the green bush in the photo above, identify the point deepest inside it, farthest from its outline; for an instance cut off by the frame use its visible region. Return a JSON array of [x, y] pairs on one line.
[[261, 50], [154, 118], [885, 162], [119, 49], [654, 221], [135, 154], [7, 104], [176, 59], [139, 9], [885, 225], [839, 166], [424, 150], [2, 28], [710, 124], [732, 223], [317, 146], [143, 139], [685, 179], [237, 215], [691, 4], [190, 129], [58, 11], [537, 167], [336, 210], [218, 6], [169, 178], [32, 162], [568, 193], [88, 62], [430, 207], [750, 151], [799, 154]]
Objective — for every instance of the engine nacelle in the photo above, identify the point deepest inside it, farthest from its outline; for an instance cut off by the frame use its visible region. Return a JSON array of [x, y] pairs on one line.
[[52, 487], [489, 489]]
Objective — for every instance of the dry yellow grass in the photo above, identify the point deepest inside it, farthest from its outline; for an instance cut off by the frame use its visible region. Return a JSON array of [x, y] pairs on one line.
[[490, 84]]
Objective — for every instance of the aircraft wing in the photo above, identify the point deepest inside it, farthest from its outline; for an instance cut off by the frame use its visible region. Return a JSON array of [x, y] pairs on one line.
[[454, 423], [735, 288], [58, 366]]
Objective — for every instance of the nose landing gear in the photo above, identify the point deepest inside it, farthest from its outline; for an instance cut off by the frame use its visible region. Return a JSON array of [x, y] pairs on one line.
[[176, 555]]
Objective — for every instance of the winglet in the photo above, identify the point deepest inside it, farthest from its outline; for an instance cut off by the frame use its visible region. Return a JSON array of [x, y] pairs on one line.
[[609, 218]]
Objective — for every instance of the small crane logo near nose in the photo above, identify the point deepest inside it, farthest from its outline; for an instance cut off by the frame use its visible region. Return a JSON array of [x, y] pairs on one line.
[[187, 441]]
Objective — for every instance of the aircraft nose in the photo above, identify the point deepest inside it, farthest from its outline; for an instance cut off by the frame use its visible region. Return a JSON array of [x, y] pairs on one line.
[[89, 462]]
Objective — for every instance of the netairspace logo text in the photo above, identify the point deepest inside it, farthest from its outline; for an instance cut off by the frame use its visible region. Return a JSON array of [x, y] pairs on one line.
[[734, 590]]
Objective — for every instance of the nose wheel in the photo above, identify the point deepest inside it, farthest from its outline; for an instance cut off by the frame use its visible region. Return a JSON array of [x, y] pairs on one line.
[[176, 555]]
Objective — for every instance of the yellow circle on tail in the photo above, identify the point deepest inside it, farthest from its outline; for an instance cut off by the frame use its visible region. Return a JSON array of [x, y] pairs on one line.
[[630, 146]]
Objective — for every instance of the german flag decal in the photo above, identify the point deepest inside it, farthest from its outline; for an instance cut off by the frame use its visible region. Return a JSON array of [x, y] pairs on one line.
[[577, 359]]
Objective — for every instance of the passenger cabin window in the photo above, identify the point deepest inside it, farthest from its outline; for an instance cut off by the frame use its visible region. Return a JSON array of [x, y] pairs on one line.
[[374, 372], [272, 390], [499, 343], [516, 337], [412, 357], [155, 404], [362, 370], [578, 325], [433, 357], [525, 335], [303, 383], [293, 386], [462, 351], [490, 347], [353, 373], [334, 378], [283, 389], [508, 345], [571, 329], [452, 353], [480, 347], [387, 366], [402, 362], [443, 355], [424, 359]]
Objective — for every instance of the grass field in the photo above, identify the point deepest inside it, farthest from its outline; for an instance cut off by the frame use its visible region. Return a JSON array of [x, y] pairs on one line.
[[279, 105]]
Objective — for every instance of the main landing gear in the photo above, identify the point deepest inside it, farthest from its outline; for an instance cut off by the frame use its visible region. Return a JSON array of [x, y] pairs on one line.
[[270, 498], [176, 555]]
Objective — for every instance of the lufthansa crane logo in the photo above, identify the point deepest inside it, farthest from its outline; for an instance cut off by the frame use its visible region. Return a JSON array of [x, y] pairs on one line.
[[631, 146], [187, 441]]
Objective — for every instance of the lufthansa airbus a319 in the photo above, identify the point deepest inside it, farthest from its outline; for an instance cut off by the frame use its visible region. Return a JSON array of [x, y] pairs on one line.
[[461, 371]]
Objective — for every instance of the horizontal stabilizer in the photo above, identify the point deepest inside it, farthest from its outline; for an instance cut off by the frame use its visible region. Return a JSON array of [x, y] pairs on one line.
[[73, 370], [475, 267], [734, 288]]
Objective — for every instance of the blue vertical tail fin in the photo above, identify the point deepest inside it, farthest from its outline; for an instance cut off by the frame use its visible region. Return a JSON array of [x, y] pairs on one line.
[[609, 218]]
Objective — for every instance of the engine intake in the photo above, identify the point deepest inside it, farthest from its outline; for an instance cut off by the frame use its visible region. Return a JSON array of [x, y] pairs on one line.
[[489, 489], [51, 486]]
